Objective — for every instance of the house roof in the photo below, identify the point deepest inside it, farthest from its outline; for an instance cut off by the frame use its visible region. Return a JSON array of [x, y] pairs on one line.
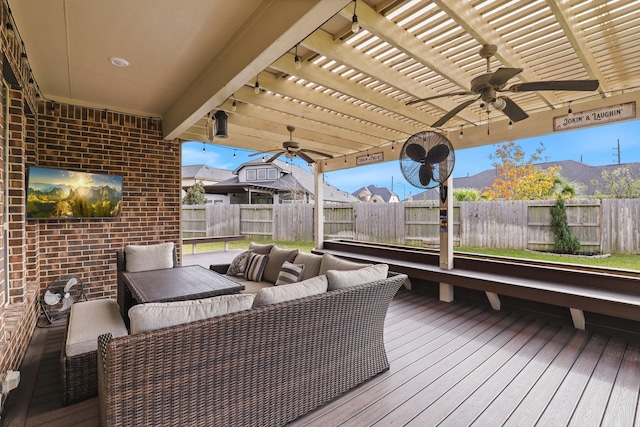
[[575, 172], [351, 93], [205, 172], [294, 177], [384, 193]]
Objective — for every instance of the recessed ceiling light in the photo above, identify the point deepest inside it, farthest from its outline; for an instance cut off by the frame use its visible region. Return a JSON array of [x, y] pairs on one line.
[[119, 62]]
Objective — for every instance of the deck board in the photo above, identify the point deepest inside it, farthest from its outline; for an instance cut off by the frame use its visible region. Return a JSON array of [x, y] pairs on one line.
[[451, 364]]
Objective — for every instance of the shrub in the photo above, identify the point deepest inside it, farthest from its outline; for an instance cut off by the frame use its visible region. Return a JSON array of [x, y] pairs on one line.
[[563, 241]]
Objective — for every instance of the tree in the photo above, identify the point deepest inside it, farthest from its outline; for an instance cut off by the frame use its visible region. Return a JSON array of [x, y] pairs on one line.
[[518, 178], [619, 184], [563, 241], [195, 195]]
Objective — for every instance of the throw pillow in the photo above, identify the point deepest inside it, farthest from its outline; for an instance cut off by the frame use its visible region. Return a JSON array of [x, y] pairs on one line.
[[239, 264], [275, 294], [289, 273], [261, 249], [277, 257], [311, 264], [345, 279], [331, 262], [148, 257], [157, 315], [255, 267]]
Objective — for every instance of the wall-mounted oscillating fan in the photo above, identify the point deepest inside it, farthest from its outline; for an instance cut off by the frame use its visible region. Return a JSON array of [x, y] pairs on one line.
[[60, 295], [427, 159]]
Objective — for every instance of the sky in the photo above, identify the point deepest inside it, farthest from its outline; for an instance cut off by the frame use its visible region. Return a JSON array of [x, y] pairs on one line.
[[594, 146]]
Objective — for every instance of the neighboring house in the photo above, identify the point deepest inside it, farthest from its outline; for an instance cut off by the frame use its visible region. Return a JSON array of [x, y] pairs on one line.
[[580, 174], [373, 194], [207, 176], [258, 182]]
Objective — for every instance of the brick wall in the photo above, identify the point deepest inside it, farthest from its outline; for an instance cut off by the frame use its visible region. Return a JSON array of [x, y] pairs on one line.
[[88, 140]]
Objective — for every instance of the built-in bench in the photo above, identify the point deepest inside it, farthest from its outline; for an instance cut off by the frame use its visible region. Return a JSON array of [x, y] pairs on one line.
[[226, 239], [611, 293], [87, 320]]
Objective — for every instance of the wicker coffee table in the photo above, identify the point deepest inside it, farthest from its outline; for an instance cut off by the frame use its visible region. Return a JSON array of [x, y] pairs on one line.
[[175, 284]]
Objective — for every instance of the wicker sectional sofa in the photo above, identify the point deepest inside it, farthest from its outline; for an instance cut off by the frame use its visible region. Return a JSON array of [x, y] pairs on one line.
[[265, 366]]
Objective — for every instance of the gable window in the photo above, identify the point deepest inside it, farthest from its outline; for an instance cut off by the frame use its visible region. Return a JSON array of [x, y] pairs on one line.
[[272, 173], [262, 174], [251, 174]]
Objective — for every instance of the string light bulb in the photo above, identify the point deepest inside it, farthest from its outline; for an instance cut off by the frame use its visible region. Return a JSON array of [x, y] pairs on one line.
[[234, 153], [204, 148], [256, 87], [297, 61], [570, 111], [355, 26], [461, 134], [510, 124], [234, 105]]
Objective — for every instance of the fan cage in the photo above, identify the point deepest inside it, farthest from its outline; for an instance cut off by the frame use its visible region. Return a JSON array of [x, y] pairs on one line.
[[411, 169], [65, 290]]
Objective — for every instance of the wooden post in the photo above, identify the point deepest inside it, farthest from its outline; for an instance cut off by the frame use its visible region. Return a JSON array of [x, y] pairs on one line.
[[446, 236], [318, 211]]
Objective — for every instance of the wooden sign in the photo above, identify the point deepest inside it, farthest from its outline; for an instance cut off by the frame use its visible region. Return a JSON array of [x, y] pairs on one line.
[[370, 158], [600, 116]]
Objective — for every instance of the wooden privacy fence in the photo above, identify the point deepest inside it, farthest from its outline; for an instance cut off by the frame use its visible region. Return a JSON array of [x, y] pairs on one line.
[[610, 226]]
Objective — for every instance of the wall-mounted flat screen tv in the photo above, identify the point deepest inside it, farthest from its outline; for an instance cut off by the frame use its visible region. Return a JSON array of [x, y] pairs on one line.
[[66, 194]]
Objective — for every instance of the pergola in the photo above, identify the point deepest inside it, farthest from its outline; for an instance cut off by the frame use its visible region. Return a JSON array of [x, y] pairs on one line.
[[272, 63]]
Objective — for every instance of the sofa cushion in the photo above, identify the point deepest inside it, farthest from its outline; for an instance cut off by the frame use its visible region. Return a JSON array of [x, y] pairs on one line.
[[344, 279], [261, 249], [157, 315], [331, 262], [275, 294], [239, 264], [289, 273], [148, 257], [255, 266], [90, 319], [311, 264], [277, 257]]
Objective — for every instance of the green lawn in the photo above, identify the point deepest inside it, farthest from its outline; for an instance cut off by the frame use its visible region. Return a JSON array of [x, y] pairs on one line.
[[625, 262]]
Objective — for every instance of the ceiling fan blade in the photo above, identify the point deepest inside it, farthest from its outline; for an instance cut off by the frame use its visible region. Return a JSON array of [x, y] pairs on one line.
[[305, 157], [261, 152], [502, 75], [437, 154], [444, 95], [425, 174], [416, 152], [275, 156], [511, 109], [444, 119], [319, 153], [577, 85]]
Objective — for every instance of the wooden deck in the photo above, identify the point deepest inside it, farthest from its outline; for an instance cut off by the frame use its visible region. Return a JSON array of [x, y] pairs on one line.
[[451, 364]]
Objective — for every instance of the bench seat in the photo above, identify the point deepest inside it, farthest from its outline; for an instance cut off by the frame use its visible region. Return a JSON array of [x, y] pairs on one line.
[[87, 320]]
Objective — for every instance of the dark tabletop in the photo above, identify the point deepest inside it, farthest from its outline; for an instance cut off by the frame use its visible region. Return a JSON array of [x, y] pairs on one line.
[[178, 284]]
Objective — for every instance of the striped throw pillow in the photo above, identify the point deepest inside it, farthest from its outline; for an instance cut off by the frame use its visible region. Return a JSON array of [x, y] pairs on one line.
[[289, 273], [255, 267]]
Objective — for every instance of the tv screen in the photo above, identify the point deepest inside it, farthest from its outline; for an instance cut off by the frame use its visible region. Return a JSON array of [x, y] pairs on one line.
[[65, 194]]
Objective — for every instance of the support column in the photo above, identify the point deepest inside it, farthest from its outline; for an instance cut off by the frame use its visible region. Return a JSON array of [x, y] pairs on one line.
[[318, 209], [446, 236]]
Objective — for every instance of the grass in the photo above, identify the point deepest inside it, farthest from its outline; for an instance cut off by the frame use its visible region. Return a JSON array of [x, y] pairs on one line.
[[624, 262]]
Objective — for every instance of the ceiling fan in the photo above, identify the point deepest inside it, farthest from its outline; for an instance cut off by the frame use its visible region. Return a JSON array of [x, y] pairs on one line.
[[489, 84], [292, 149]]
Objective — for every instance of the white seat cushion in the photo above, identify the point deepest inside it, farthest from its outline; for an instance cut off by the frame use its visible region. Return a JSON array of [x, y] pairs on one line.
[[345, 279], [282, 293], [152, 316], [90, 319]]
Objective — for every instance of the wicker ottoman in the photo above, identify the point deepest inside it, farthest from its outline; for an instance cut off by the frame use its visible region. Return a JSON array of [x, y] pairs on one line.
[[87, 320]]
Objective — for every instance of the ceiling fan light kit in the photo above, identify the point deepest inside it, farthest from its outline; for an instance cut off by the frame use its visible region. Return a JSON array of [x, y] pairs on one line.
[[489, 84]]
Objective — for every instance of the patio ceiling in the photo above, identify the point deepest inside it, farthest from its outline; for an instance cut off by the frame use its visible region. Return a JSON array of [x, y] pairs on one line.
[[350, 95]]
